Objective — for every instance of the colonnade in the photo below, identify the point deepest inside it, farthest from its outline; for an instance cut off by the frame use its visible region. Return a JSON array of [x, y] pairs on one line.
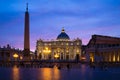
[[112, 56]]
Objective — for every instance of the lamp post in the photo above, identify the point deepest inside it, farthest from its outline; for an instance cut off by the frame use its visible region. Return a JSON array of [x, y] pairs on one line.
[[15, 56], [56, 56]]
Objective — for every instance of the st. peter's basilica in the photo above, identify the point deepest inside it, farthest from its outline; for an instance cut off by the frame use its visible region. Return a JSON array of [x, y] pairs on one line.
[[60, 49]]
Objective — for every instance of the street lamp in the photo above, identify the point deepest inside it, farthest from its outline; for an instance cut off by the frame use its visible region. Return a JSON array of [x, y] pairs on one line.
[[15, 56], [56, 56]]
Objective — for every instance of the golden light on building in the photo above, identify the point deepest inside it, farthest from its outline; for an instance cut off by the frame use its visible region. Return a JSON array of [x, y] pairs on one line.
[[67, 51], [46, 50], [77, 51], [114, 58], [21, 57], [56, 56], [118, 58], [15, 55], [91, 57]]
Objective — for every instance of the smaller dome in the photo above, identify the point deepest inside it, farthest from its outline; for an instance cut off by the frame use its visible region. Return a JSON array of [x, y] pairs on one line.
[[63, 36]]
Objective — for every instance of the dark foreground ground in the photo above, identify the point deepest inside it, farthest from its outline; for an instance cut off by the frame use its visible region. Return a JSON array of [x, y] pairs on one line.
[[71, 72]]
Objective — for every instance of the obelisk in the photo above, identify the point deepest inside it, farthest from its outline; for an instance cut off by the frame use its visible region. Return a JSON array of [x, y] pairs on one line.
[[26, 36]]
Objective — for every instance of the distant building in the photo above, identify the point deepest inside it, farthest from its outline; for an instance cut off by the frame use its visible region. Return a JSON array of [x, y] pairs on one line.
[[60, 49], [103, 48], [10, 54]]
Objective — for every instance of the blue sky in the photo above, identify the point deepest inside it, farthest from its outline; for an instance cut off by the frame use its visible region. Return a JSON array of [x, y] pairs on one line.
[[80, 18]]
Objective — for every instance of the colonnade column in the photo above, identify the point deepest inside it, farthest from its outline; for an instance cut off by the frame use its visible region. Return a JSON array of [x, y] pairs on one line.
[[52, 53], [116, 56], [119, 55], [109, 57], [63, 55]]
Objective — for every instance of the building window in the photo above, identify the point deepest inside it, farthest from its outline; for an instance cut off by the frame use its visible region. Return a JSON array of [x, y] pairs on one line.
[[66, 43], [77, 43], [54, 43], [49, 43], [45, 44], [71, 43]]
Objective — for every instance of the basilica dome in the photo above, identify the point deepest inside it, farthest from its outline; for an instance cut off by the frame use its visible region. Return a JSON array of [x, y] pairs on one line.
[[63, 36]]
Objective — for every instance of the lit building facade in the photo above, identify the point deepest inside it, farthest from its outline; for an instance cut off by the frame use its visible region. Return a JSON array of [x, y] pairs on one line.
[[103, 49], [60, 49], [10, 54], [7, 53]]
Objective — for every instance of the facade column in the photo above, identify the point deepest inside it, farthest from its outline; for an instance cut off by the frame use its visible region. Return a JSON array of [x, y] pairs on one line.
[[100, 56], [52, 52], [73, 53], [109, 57], [42, 55], [105, 56], [113, 56], [60, 54], [64, 56], [68, 53], [118, 56]]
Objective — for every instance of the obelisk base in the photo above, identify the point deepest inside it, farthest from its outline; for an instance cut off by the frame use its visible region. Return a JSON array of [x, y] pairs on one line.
[[26, 54]]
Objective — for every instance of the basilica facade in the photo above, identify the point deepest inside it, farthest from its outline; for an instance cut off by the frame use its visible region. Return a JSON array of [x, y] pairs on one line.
[[60, 49]]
